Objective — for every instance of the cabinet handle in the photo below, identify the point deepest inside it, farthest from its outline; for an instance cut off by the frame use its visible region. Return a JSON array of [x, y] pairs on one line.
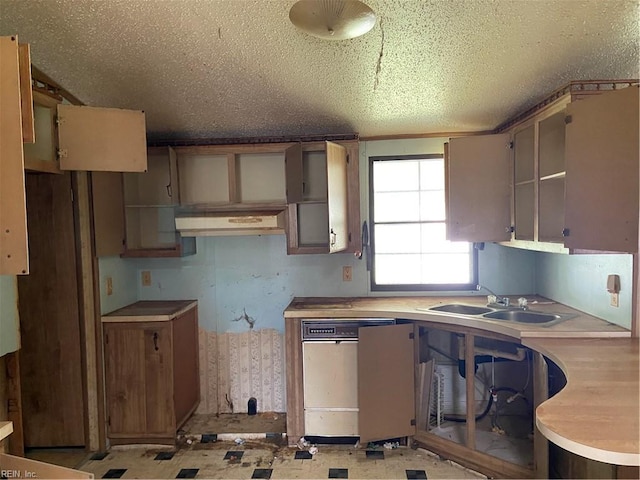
[[155, 341], [332, 237], [169, 191]]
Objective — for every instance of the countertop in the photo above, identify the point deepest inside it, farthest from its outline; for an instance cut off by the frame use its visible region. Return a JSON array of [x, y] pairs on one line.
[[580, 325], [150, 311], [597, 413], [6, 429]]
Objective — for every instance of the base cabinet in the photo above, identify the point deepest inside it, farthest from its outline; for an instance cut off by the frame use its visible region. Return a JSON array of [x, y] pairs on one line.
[[152, 376]]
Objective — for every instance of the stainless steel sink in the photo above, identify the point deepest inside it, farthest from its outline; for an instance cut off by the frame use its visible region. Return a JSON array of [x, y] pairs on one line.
[[461, 309], [525, 316]]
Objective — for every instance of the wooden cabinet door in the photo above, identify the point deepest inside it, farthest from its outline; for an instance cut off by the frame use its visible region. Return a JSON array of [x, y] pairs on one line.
[[337, 197], [478, 188], [386, 392], [139, 369], [101, 139], [601, 155], [14, 258]]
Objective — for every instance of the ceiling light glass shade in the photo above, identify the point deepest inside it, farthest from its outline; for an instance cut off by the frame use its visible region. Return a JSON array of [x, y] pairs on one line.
[[332, 19]]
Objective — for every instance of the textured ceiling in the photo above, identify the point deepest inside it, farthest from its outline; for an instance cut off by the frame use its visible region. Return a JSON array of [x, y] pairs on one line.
[[235, 68]]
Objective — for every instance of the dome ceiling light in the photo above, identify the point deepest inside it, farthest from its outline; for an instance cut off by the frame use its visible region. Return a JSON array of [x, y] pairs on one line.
[[332, 19]]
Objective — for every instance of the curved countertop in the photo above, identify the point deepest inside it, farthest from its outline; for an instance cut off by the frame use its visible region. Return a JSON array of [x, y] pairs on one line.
[[597, 413]]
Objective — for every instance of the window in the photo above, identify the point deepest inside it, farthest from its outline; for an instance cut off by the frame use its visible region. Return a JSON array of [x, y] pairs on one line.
[[408, 231]]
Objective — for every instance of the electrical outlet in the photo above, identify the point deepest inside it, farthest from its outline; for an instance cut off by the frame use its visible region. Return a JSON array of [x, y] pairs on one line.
[[346, 273], [146, 278], [615, 299], [109, 285]]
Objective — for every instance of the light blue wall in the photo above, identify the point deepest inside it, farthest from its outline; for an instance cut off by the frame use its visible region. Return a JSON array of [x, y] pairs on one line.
[[233, 275], [9, 324], [580, 281], [124, 280]]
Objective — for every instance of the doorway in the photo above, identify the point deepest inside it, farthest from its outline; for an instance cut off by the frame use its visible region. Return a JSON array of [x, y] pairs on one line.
[[53, 406]]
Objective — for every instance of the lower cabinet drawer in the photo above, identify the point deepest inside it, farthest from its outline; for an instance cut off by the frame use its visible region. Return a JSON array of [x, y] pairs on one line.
[[332, 423]]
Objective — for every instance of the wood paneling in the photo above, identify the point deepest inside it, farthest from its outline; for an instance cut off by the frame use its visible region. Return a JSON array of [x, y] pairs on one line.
[[13, 218], [50, 359]]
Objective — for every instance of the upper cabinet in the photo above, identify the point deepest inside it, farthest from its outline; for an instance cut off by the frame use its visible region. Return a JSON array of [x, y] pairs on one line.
[[572, 177], [478, 189], [42, 155], [318, 194], [602, 157], [101, 139], [150, 202], [246, 189], [70, 137]]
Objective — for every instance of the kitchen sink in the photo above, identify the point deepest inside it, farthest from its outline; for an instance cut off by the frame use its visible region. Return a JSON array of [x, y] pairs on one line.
[[461, 309], [525, 316]]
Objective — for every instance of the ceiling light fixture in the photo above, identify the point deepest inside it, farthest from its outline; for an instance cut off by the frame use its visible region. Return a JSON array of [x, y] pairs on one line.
[[332, 19]]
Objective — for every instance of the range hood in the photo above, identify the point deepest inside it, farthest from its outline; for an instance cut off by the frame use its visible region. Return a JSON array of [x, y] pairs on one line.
[[211, 224]]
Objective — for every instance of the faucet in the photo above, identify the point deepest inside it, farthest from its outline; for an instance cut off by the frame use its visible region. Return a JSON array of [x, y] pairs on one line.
[[494, 298]]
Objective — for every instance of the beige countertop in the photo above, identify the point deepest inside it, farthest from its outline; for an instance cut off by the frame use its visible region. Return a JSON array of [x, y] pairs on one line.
[[150, 311], [6, 429], [416, 308], [596, 415]]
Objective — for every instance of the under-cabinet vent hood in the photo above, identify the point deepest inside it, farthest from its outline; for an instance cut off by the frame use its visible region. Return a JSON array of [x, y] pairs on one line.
[[210, 224]]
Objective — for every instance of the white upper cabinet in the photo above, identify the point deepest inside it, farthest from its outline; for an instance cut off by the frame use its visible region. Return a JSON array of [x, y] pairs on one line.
[[101, 139]]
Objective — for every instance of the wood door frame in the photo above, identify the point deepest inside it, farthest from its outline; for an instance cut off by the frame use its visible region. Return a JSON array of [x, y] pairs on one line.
[[90, 336]]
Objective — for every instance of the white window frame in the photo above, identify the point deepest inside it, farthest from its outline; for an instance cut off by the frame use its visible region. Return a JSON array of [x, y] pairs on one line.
[[372, 224]]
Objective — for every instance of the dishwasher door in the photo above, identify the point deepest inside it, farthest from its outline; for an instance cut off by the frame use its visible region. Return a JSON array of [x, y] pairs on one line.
[[330, 373]]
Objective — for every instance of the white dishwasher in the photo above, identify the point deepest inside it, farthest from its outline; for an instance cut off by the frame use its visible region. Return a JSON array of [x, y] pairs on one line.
[[330, 375]]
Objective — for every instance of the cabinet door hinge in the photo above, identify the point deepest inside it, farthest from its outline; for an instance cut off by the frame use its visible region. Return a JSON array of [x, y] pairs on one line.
[[347, 158], [109, 420], [411, 336], [510, 229], [61, 153], [568, 119], [510, 145], [566, 232], [413, 422]]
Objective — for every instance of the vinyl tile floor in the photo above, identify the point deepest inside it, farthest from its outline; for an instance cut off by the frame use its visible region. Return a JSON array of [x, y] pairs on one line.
[[269, 459]]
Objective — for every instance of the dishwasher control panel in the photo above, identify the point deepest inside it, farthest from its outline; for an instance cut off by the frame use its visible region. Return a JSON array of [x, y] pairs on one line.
[[339, 329]]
